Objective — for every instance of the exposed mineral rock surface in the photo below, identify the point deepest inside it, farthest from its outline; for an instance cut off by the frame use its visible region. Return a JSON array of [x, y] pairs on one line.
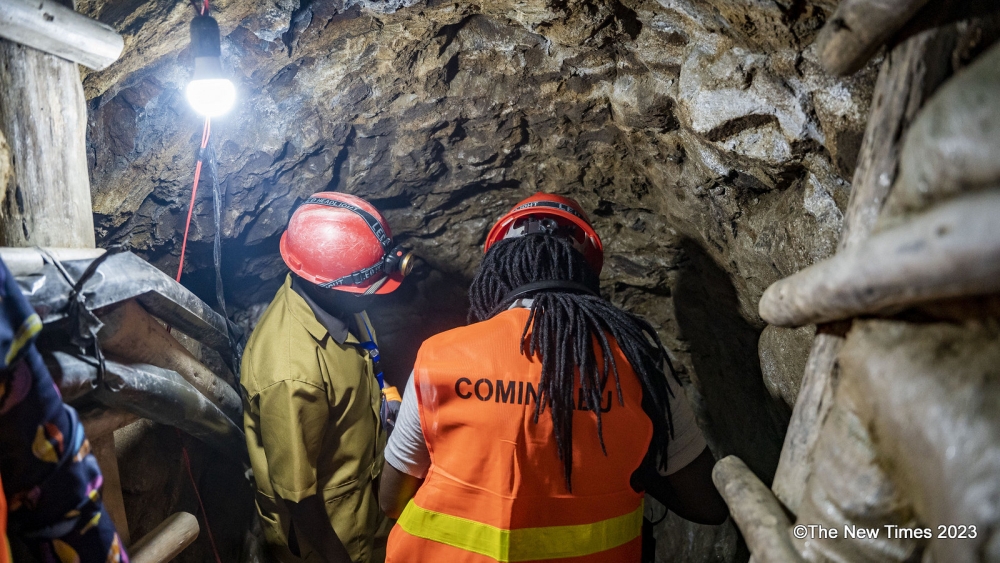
[[702, 137]]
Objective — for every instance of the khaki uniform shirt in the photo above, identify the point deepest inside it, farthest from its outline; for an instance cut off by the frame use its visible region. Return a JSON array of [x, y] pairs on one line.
[[311, 415]]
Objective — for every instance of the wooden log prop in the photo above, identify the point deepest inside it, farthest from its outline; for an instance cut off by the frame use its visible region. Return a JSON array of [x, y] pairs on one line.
[[814, 401], [104, 422], [158, 394], [132, 334], [909, 382], [953, 250], [167, 540], [850, 490], [909, 73], [26, 261], [43, 115], [6, 168], [858, 29], [953, 145], [103, 449], [757, 512], [57, 30]]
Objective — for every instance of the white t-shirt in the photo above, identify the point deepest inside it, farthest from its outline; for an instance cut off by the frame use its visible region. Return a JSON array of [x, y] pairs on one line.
[[407, 450]]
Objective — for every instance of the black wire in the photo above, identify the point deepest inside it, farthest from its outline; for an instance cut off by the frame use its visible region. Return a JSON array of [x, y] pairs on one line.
[[85, 323], [220, 295], [235, 334]]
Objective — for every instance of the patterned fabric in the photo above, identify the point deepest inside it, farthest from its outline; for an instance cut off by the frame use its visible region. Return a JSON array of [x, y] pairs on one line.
[[5, 556], [50, 480]]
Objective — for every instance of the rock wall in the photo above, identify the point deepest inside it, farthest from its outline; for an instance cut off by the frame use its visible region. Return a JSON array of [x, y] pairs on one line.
[[702, 137]]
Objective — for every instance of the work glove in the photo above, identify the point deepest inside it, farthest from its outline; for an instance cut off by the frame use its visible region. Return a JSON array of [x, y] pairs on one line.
[[390, 407]]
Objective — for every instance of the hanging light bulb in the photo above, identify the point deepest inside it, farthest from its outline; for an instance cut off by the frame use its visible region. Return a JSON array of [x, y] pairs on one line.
[[210, 93]]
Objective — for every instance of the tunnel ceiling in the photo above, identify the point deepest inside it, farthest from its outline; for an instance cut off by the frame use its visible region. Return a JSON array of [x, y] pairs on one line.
[[669, 119], [712, 151]]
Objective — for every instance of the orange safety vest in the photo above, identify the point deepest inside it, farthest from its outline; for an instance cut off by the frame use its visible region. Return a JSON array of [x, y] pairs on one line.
[[495, 489]]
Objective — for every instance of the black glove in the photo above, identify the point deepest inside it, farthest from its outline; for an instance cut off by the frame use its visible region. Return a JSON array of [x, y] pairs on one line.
[[390, 408]]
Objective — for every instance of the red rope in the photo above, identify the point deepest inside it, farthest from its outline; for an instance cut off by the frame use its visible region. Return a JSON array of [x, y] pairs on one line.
[[180, 270], [187, 465], [194, 193]]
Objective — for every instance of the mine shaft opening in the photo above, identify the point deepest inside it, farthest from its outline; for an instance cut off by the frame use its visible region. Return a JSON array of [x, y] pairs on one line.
[[428, 218]]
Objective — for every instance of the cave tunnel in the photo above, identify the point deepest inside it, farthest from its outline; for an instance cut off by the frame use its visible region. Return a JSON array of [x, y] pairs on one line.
[[798, 198]]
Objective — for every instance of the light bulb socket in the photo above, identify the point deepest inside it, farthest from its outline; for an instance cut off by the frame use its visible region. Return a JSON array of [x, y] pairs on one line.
[[205, 38], [210, 92], [207, 67]]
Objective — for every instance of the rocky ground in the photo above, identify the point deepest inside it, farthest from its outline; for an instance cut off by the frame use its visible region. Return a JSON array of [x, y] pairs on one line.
[[702, 137]]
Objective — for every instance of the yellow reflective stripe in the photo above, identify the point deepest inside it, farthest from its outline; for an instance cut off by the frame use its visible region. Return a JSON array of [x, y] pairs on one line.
[[524, 544], [28, 329]]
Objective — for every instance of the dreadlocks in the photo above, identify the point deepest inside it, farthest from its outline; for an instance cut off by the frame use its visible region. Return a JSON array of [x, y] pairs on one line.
[[562, 328]]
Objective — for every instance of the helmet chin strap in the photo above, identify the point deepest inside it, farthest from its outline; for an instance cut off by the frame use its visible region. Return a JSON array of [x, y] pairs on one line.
[[375, 286]]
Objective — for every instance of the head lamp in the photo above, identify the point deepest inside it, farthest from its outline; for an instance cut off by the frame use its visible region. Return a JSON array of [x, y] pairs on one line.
[[531, 225], [400, 260]]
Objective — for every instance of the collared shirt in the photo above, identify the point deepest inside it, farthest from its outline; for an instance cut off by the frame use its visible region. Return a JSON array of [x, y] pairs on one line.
[[334, 325], [311, 415]]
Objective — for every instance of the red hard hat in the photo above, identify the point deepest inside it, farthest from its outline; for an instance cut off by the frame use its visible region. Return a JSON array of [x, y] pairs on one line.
[[566, 212], [342, 242]]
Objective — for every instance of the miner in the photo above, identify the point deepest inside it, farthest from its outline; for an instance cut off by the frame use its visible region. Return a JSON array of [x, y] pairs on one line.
[[534, 432], [313, 411]]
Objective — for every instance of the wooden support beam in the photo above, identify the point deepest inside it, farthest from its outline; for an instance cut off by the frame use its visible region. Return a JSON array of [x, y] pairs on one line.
[[911, 74], [757, 512], [22, 261], [953, 145], [57, 30], [908, 76], [43, 115], [908, 381], [132, 334], [111, 492], [104, 422], [953, 250], [814, 401], [167, 540], [859, 28]]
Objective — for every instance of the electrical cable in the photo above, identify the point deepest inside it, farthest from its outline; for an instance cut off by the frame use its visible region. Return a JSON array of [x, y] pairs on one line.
[[236, 336], [206, 132], [203, 10], [205, 135], [197, 495], [194, 193], [220, 295]]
